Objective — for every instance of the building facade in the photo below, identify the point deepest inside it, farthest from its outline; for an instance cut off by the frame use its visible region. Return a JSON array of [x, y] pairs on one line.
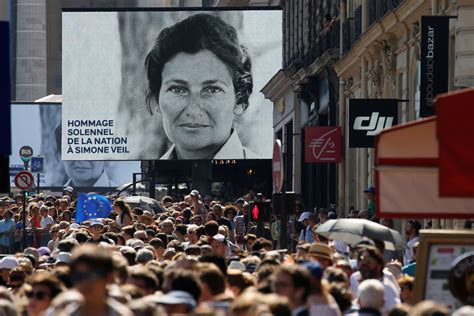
[[380, 58], [339, 50], [304, 93]]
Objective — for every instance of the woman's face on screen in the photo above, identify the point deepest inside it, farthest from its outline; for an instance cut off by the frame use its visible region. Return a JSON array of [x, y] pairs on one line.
[[197, 101]]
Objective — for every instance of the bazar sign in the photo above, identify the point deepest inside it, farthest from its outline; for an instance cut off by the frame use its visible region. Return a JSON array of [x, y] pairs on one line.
[[323, 144], [434, 61]]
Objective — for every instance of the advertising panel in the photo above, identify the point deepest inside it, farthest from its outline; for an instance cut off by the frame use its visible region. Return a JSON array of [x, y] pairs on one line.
[[322, 144], [368, 117], [161, 84], [434, 61], [39, 126]]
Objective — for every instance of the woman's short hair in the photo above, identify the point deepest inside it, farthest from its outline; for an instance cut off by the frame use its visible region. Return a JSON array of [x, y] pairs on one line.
[[201, 32]]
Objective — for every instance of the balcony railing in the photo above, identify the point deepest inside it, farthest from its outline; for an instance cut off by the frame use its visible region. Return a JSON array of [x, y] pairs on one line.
[[327, 39], [352, 28], [378, 8]]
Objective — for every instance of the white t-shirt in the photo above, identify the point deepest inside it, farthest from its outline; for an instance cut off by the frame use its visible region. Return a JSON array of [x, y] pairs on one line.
[[408, 256], [45, 221]]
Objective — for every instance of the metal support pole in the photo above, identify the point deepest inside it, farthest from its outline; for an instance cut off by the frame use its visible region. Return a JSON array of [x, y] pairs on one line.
[[284, 211], [24, 221], [134, 188], [38, 177], [152, 184]]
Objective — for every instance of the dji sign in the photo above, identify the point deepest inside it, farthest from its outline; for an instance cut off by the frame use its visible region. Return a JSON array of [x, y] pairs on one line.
[[368, 117]]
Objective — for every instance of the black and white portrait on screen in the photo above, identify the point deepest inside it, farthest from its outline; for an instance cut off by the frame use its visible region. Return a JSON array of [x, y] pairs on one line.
[[173, 84]]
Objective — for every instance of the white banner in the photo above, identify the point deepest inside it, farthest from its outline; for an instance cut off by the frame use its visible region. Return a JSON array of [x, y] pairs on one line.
[[39, 126]]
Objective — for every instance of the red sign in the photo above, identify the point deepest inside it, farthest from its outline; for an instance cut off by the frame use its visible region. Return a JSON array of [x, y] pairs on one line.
[[277, 167], [24, 180], [322, 144], [456, 144]]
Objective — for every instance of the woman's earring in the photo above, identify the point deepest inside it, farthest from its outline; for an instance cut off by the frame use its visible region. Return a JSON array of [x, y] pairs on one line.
[[239, 109]]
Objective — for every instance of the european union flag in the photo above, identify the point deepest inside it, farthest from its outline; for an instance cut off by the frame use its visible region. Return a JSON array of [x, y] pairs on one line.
[[90, 206]]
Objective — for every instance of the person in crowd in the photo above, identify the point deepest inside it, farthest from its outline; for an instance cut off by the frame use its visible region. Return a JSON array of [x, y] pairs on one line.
[[370, 194], [35, 223], [124, 215], [96, 229], [407, 284], [371, 266], [293, 282], [309, 220], [412, 231], [319, 300], [199, 85], [7, 228], [45, 286], [214, 289], [323, 214], [220, 245], [91, 271], [321, 253], [217, 210], [371, 298], [411, 267], [46, 220], [249, 240]]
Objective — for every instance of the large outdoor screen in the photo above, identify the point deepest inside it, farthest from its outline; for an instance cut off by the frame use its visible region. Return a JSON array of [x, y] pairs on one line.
[[39, 126], [154, 84]]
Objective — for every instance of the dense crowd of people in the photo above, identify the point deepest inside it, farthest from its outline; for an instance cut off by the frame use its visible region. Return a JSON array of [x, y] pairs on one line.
[[200, 256]]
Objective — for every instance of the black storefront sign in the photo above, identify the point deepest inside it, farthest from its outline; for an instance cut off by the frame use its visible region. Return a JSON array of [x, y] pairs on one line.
[[434, 61], [368, 117]]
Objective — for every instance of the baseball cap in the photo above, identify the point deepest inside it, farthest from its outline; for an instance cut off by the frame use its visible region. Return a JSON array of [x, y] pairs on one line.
[[177, 297], [74, 225], [69, 189], [32, 251], [304, 215], [239, 201], [235, 267], [44, 251], [8, 262], [194, 193], [314, 268], [220, 237], [96, 222], [370, 190], [64, 257]]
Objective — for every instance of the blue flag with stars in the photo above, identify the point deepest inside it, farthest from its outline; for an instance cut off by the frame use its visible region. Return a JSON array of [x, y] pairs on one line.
[[90, 206]]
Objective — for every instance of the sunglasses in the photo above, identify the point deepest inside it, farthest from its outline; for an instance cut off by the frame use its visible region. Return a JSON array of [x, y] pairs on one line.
[[77, 277], [39, 295]]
